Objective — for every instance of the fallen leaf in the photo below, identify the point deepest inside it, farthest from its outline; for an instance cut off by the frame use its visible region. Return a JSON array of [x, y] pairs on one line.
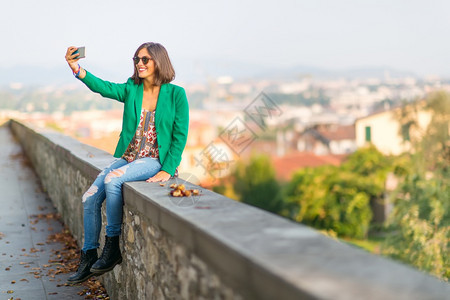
[[13, 282]]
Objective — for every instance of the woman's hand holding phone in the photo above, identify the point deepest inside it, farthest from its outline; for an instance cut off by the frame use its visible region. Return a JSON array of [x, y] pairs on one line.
[[73, 55]]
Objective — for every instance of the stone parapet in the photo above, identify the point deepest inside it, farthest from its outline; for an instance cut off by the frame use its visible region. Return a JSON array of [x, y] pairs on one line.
[[212, 247]]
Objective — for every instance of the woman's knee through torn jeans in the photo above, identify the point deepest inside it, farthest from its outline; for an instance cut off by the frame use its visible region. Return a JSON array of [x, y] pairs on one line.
[[108, 184]]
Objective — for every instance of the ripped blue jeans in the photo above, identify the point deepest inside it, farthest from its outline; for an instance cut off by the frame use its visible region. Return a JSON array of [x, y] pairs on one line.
[[108, 184]]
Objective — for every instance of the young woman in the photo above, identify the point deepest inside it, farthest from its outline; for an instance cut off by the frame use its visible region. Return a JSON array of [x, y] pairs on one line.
[[154, 132]]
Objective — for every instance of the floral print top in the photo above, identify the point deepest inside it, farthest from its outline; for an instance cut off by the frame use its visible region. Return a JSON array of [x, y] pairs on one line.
[[144, 143]]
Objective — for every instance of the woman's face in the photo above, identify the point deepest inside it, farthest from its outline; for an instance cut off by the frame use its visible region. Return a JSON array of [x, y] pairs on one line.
[[145, 70]]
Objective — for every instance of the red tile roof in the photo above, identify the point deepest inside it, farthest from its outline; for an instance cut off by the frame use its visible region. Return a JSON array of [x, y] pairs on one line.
[[338, 132], [285, 166]]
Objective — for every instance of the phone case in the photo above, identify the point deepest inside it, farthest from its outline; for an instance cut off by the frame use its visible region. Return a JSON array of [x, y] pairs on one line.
[[82, 51]]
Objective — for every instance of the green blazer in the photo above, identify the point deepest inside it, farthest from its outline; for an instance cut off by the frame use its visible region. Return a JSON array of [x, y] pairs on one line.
[[171, 116]]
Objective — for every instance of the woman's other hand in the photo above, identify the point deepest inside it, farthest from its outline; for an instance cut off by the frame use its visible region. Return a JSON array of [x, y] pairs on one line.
[[161, 176]]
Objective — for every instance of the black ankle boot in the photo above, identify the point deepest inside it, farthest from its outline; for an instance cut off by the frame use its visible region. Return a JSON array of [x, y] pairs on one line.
[[110, 256], [83, 273]]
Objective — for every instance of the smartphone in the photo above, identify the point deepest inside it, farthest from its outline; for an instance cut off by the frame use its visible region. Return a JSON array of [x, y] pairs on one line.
[[82, 51]]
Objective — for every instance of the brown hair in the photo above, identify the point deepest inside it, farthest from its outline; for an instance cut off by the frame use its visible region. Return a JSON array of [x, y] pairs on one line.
[[164, 72]]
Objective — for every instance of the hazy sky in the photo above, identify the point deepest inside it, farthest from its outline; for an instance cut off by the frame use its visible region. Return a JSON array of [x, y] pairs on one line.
[[403, 34]]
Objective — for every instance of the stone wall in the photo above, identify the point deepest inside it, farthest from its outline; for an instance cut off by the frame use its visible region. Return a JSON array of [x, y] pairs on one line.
[[211, 247]]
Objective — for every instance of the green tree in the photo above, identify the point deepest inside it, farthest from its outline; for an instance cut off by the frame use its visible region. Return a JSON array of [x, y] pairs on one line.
[[326, 198], [419, 225], [256, 185], [338, 198]]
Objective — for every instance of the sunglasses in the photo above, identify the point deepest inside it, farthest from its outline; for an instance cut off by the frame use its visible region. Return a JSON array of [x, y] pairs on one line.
[[145, 60]]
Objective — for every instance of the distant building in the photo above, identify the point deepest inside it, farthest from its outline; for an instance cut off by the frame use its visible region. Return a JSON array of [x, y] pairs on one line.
[[384, 131], [287, 165], [327, 139]]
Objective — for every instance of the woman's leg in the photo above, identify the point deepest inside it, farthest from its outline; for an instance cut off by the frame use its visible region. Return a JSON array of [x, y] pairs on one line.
[[92, 203], [138, 170]]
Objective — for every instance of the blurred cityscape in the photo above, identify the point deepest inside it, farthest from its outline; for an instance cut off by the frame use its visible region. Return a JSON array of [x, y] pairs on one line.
[[314, 122]]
